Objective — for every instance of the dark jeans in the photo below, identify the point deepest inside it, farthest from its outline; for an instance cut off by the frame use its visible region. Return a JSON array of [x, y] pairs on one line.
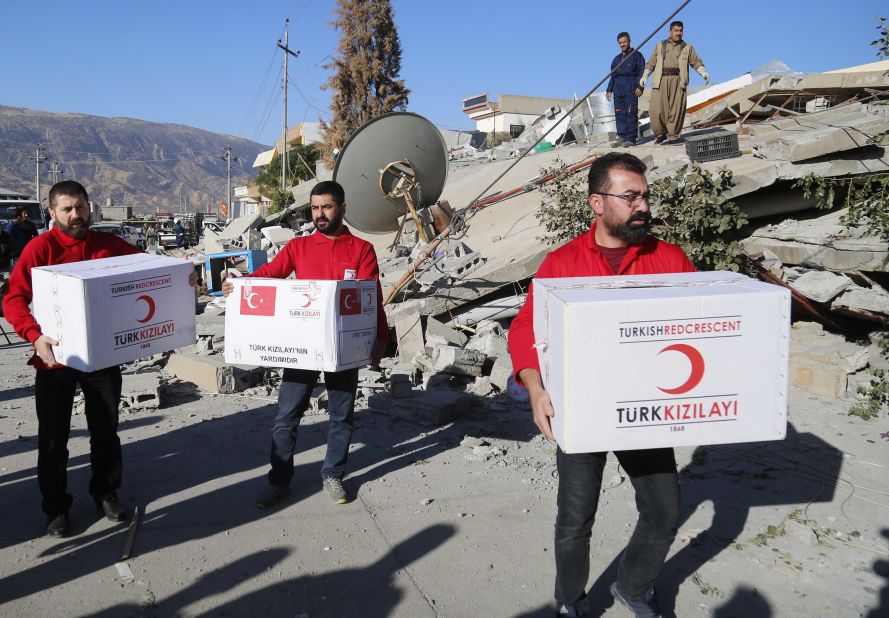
[[55, 398], [654, 477], [293, 399], [626, 114]]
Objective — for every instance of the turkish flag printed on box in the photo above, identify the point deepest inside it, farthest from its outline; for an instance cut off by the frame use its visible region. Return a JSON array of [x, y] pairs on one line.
[[258, 300], [350, 302]]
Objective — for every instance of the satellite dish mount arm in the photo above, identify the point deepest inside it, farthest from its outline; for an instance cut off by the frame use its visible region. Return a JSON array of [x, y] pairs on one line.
[[397, 181]]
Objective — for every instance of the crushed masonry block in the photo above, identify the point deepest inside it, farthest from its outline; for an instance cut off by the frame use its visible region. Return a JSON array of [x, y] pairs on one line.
[[400, 385], [434, 328], [429, 408], [211, 373], [818, 378], [862, 380], [489, 343], [862, 299], [821, 286], [408, 331], [501, 372], [821, 362], [141, 391], [407, 369], [435, 343], [878, 350], [460, 361], [481, 387]]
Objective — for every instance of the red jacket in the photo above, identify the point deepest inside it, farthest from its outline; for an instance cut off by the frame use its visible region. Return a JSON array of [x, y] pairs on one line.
[[329, 259], [581, 258], [50, 248]]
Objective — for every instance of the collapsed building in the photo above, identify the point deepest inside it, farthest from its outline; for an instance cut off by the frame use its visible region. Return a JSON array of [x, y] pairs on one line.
[[456, 265]]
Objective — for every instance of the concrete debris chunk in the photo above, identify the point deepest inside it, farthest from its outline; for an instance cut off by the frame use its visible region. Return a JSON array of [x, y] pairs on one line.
[[501, 372], [434, 344], [240, 226], [863, 299], [434, 328], [211, 373], [459, 361], [400, 385], [822, 362], [481, 386], [408, 331], [141, 391], [488, 343], [821, 286]]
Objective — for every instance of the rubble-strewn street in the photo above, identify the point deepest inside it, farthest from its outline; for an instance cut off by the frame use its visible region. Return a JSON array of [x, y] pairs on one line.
[[445, 521]]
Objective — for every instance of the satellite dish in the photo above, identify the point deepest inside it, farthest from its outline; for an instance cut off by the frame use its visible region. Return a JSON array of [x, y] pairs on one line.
[[393, 165]]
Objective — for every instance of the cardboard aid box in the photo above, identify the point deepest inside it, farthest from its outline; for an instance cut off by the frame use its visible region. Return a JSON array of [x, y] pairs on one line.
[[114, 310], [650, 361], [302, 324]]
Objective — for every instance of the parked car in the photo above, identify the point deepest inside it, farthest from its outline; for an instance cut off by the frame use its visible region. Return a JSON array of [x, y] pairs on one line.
[[118, 229]]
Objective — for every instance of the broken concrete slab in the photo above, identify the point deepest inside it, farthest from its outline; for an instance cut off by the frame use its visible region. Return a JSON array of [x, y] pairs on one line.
[[408, 331], [212, 374], [501, 372], [821, 362], [438, 329], [429, 408], [400, 385], [240, 226], [863, 299], [821, 286], [459, 361], [277, 235]]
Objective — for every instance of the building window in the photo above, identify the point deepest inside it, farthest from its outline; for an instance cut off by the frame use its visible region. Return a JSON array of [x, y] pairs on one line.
[[515, 130]]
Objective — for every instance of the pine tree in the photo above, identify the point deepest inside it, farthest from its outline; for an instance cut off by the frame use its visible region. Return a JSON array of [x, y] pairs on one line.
[[365, 82]]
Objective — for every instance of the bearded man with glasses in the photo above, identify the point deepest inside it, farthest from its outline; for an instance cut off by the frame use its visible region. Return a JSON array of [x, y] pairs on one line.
[[618, 243]]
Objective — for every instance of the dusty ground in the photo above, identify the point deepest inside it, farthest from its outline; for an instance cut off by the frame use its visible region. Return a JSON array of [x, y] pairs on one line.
[[437, 528]]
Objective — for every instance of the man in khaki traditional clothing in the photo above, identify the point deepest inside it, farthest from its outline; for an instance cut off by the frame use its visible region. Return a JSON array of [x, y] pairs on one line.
[[668, 67]]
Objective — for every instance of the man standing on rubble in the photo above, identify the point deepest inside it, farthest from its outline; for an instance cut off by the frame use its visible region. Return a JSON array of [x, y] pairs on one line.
[[623, 89], [617, 243], [330, 253], [668, 67], [69, 240]]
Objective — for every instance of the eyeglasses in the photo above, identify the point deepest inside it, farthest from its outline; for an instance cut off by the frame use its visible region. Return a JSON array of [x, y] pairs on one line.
[[632, 199]]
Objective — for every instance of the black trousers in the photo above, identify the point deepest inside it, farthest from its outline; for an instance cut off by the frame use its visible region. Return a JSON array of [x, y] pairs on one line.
[[654, 477], [55, 398]]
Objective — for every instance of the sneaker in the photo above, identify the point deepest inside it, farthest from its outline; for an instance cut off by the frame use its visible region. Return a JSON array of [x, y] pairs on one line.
[[568, 610], [660, 139], [676, 139], [57, 526], [616, 143], [646, 607], [112, 509], [628, 144], [271, 496], [336, 491]]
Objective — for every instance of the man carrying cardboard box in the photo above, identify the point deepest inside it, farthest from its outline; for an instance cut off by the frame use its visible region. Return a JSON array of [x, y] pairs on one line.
[[617, 243], [330, 253], [69, 240]]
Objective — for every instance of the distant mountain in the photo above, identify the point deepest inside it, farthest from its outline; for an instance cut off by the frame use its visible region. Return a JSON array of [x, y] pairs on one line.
[[146, 165]]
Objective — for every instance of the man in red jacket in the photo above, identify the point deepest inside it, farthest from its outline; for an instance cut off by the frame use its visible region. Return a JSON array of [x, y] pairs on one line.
[[69, 240], [330, 253], [617, 243]]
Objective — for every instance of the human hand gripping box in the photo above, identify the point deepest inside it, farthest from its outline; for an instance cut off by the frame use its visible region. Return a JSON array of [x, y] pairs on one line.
[[114, 310], [301, 324], [647, 361]]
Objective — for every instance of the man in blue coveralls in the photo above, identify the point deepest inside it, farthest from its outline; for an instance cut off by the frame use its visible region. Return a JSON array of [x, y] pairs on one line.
[[623, 88]]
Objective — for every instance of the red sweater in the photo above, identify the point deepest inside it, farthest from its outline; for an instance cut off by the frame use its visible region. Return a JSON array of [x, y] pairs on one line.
[[50, 248], [331, 259], [582, 258]]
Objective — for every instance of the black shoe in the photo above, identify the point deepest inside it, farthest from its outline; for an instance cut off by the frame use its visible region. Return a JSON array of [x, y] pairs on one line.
[[271, 496], [646, 607], [567, 610], [660, 139], [112, 509], [57, 526]]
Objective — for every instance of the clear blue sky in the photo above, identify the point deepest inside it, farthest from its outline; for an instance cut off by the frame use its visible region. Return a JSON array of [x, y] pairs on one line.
[[214, 65]]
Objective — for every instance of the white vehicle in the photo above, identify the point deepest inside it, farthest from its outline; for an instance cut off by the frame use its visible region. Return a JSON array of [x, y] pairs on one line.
[[118, 229], [9, 200]]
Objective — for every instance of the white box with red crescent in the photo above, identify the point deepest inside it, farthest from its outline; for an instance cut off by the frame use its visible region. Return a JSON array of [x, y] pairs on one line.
[[301, 324], [114, 310], [647, 361]]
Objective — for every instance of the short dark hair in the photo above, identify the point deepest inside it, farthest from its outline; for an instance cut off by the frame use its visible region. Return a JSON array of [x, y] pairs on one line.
[[677, 23], [622, 35], [17, 211], [331, 188], [71, 188], [599, 179]]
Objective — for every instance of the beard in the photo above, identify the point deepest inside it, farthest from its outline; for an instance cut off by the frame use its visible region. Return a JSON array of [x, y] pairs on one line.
[[626, 231], [75, 228], [328, 226]]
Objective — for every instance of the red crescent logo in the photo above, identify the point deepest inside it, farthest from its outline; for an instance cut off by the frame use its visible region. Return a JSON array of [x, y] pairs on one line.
[[150, 302], [697, 368], [308, 298]]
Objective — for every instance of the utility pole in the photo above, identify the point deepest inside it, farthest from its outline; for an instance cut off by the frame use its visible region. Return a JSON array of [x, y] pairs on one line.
[[39, 157], [228, 192], [287, 53], [54, 171]]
